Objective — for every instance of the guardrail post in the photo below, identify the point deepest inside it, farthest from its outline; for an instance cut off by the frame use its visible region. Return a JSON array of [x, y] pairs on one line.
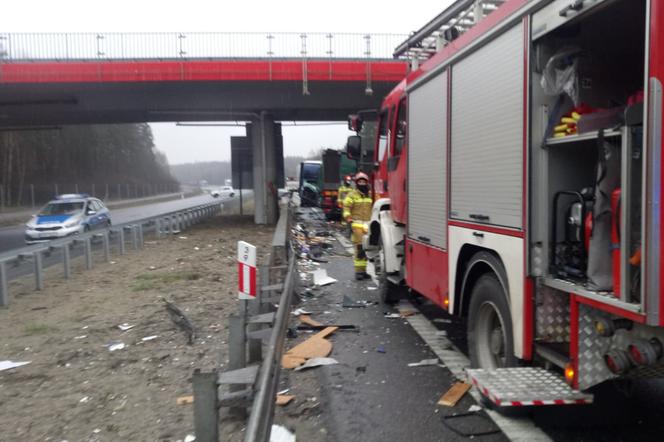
[[134, 237], [171, 220], [157, 224], [140, 235], [66, 260], [123, 250], [4, 285], [39, 277], [237, 356], [206, 409], [88, 253], [255, 346], [107, 249]]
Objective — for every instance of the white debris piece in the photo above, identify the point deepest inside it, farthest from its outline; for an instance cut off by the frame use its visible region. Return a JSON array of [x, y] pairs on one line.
[[474, 408], [321, 278], [300, 311], [317, 362], [281, 434], [116, 345], [125, 327], [7, 365], [149, 338], [424, 362], [190, 438]]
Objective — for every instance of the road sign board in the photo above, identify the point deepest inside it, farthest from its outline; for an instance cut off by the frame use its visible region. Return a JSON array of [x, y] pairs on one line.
[[246, 270]]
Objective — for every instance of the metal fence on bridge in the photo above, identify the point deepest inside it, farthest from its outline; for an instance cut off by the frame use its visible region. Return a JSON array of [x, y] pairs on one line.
[[186, 45]]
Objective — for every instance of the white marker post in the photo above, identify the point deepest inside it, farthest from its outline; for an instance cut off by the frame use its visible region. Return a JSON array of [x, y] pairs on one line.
[[246, 269]]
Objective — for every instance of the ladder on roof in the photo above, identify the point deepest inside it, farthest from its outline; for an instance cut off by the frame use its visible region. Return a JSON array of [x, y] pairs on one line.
[[444, 28]]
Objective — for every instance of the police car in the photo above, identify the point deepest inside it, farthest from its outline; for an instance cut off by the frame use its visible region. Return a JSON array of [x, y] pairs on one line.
[[66, 215]]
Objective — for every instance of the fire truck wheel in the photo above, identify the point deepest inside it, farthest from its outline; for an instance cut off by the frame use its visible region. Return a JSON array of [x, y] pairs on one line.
[[490, 341], [388, 291]]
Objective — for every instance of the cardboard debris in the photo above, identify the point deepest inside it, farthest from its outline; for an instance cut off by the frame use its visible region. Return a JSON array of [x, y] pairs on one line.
[[424, 363], [408, 313], [306, 319], [321, 278], [284, 399], [185, 400], [454, 394], [317, 362], [314, 347]]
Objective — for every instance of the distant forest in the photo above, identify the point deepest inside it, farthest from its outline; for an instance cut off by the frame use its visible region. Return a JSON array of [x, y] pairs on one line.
[[104, 159], [216, 172]]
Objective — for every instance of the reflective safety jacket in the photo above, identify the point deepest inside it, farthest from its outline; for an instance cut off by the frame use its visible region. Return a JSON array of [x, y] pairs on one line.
[[357, 206], [344, 190]]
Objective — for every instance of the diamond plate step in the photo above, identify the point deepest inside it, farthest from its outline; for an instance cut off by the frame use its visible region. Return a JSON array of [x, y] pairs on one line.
[[525, 386]]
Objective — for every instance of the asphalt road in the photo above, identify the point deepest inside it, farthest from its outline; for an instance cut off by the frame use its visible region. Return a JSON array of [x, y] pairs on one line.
[[374, 396], [13, 238]]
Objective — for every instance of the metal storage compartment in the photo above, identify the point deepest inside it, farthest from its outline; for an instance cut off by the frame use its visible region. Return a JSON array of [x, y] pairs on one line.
[[427, 162], [487, 133]]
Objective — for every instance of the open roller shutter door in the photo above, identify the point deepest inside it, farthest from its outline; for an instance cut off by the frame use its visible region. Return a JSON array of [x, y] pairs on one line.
[[487, 133], [427, 162]]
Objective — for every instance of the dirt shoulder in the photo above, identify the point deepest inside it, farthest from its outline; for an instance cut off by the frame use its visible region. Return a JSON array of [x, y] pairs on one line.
[[75, 389]]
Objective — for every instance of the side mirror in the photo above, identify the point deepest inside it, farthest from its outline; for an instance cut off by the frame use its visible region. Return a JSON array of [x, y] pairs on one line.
[[354, 147]]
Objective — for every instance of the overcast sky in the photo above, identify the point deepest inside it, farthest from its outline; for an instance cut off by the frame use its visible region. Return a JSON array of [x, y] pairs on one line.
[[188, 144]]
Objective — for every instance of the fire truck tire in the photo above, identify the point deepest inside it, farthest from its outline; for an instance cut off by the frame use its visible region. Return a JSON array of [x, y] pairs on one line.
[[389, 292], [490, 338]]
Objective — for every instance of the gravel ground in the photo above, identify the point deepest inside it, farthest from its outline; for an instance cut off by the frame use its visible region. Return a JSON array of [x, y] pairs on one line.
[[75, 389]]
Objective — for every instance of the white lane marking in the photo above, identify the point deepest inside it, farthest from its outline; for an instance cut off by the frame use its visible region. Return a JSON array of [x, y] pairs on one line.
[[517, 429]]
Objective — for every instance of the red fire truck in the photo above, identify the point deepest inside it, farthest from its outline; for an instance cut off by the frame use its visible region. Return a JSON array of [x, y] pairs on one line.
[[518, 182]]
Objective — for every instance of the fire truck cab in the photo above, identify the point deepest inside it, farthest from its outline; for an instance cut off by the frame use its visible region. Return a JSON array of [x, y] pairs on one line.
[[518, 182]]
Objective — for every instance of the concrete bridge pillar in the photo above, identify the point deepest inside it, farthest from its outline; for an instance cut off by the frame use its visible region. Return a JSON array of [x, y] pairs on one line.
[[267, 151]]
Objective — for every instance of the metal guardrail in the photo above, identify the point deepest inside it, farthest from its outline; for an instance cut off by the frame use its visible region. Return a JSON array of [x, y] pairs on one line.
[[250, 383], [185, 45], [170, 222]]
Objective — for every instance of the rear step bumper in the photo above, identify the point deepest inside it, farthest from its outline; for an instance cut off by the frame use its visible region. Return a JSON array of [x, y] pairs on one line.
[[525, 386]]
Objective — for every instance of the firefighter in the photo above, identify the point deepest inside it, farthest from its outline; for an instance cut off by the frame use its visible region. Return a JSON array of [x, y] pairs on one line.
[[343, 192], [357, 212]]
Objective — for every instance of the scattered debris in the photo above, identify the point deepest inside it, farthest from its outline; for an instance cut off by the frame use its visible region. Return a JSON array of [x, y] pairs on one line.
[[152, 268], [473, 408], [280, 434], [347, 327], [284, 399], [442, 321], [371, 287], [185, 400], [291, 333], [321, 278], [149, 338], [350, 303], [314, 347], [115, 345], [299, 311], [392, 315], [180, 320], [381, 349], [125, 327], [408, 313], [39, 308], [197, 248], [424, 363], [284, 391], [454, 394], [81, 337], [189, 438], [182, 237], [84, 399], [317, 362]]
